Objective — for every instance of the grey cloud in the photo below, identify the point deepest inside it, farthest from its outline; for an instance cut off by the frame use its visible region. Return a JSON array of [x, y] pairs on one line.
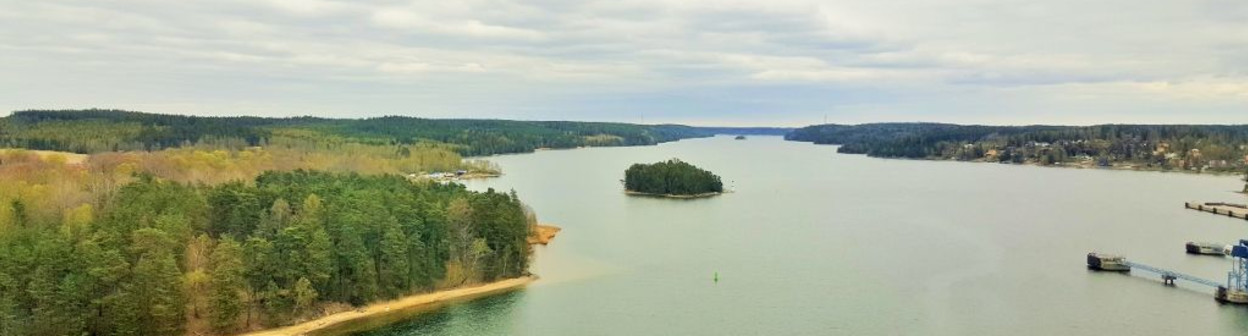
[[689, 60]]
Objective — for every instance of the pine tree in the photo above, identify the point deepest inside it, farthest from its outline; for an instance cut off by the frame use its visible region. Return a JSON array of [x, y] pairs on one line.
[[227, 281], [394, 267], [158, 284], [319, 262]]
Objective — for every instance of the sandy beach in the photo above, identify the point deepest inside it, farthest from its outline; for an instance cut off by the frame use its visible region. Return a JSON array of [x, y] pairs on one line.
[[407, 302], [543, 234]]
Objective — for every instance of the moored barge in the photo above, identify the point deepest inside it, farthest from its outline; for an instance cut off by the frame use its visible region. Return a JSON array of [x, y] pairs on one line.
[[1207, 248], [1108, 262]]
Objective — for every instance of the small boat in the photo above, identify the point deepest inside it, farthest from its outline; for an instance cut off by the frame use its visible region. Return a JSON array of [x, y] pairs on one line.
[[740, 137], [1206, 248], [1108, 262]]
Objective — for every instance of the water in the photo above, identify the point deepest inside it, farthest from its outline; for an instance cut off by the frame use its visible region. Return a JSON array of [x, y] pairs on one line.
[[817, 243]]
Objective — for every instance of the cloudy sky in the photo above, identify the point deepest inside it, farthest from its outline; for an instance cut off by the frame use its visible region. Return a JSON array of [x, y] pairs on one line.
[[704, 62]]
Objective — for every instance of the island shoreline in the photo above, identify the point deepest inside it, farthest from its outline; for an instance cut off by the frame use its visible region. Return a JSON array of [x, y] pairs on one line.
[[675, 196], [382, 308]]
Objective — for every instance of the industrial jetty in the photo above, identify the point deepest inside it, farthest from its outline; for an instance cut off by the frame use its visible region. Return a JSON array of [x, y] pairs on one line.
[[1235, 290]]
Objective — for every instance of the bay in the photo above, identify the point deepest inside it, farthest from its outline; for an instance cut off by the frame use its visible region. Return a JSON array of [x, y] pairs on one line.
[[812, 242]]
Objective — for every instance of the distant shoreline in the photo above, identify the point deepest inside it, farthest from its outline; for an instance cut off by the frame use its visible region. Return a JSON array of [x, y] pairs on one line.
[[1075, 165], [1127, 167], [382, 308], [678, 196]]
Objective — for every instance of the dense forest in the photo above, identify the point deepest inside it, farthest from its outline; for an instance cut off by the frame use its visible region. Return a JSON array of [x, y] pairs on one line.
[[111, 246], [92, 131], [671, 177], [1163, 147], [169, 225]]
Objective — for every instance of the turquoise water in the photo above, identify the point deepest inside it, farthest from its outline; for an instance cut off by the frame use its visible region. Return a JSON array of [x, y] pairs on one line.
[[817, 243]]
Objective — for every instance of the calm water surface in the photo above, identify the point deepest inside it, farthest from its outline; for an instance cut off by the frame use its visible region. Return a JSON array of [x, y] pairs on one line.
[[818, 243]]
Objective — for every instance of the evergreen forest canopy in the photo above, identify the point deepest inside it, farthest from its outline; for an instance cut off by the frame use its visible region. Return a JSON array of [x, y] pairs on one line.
[[671, 177], [92, 131], [1179, 147], [158, 257]]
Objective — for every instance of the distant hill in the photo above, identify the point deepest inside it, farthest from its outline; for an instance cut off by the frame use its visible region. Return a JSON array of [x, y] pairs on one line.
[[88, 131], [1164, 147]]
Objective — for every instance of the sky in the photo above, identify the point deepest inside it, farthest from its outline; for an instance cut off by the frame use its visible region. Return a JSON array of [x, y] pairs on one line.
[[698, 62]]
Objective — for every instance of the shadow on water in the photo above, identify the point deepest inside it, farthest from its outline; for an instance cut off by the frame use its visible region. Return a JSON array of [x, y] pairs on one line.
[[456, 317]]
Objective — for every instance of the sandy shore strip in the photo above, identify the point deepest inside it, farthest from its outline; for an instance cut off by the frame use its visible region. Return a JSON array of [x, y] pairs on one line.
[[543, 233], [407, 302]]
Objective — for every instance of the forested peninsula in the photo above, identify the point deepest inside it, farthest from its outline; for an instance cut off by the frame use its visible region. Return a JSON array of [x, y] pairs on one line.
[[171, 225], [671, 178], [1199, 148], [103, 250]]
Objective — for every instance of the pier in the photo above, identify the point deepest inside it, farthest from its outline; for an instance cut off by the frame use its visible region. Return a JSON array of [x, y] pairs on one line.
[[1219, 208], [1234, 291], [1168, 277]]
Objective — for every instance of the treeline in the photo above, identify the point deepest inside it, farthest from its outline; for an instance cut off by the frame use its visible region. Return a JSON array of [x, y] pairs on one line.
[[214, 164], [157, 257], [671, 177], [91, 131], [485, 137], [748, 130], [1187, 147]]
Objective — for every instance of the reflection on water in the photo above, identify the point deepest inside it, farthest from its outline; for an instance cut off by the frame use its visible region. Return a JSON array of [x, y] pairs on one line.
[[450, 318]]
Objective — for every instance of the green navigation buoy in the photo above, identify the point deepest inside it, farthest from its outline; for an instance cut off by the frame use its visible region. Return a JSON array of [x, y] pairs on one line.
[[716, 277]]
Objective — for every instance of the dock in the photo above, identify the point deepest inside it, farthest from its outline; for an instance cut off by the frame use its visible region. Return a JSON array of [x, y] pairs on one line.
[[1168, 277], [1236, 288], [1232, 210]]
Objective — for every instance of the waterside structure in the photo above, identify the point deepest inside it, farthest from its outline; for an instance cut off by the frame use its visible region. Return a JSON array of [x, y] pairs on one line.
[[1235, 290], [1220, 208]]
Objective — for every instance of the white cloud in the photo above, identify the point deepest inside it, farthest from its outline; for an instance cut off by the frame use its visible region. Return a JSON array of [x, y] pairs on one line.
[[420, 20], [306, 7], [684, 60]]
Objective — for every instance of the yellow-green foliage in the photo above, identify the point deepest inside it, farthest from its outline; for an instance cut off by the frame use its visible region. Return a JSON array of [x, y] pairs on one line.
[[318, 137], [603, 140], [51, 190], [45, 188]]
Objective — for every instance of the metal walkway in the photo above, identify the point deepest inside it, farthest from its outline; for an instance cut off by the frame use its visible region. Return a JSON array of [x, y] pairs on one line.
[[1169, 276]]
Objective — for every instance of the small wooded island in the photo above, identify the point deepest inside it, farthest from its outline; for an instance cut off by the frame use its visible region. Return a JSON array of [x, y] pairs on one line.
[[672, 178]]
